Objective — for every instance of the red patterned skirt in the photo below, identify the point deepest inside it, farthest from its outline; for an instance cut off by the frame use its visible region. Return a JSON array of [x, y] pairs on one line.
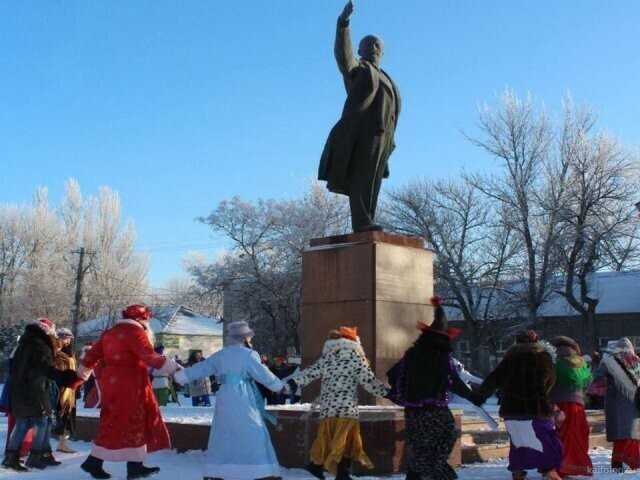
[[574, 435]]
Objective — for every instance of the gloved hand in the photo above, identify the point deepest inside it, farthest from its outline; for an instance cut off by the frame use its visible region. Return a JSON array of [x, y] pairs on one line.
[[293, 386], [477, 399], [69, 377]]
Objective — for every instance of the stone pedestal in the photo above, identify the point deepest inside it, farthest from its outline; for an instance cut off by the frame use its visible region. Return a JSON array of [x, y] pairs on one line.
[[382, 430], [376, 281]]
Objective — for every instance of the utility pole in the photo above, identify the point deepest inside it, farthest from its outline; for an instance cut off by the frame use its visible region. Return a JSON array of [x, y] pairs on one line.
[[2, 299], [75, 308]]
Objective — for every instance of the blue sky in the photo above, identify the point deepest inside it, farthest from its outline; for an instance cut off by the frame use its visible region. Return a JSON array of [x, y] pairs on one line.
[[179, 105]]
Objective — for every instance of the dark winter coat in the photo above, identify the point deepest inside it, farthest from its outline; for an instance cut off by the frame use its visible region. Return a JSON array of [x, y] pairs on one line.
[[622, 418], [32, 371], [426, 374], [525, 377], [363, 118]]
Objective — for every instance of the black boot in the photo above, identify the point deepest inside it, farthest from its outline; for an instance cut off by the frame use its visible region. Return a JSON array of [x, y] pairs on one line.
[[138, 470], [344, 469], [412, 475], [35, 460], [93, 466], [617, 467], [315, 470], [47, 458], [12, 461]]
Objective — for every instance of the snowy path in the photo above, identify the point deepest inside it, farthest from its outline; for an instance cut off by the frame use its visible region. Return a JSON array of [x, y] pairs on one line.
[[186, 466]]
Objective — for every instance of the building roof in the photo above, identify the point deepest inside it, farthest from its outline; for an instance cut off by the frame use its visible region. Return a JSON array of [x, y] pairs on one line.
[[167, 319], [617, 292]]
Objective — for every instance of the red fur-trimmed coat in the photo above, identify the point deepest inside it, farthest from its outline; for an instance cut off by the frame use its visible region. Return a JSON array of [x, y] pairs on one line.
[[130, 421]]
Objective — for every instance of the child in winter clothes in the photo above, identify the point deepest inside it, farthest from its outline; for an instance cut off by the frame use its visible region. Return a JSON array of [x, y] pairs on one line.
[[160, 381], [597, 388], [200, 388], [421, 382], [342, 366], [525, 377], [66, 411], [572, 378]]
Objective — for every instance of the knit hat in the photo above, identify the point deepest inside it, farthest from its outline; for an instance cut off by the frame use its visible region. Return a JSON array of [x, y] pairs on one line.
[[350, 333], [64, 333], [159, 349], [562, 341], [137, 312], [440, 323], [528, 336], [238, 332], [46, 325]]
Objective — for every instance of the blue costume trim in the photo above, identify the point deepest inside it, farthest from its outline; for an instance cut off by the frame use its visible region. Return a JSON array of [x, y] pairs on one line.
[[234, 380]]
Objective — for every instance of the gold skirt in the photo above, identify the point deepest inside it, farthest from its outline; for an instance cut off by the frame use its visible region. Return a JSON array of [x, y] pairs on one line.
[[337, 438]]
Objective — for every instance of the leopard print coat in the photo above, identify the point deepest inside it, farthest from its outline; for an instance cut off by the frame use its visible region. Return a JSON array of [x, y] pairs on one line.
[[342, 366]]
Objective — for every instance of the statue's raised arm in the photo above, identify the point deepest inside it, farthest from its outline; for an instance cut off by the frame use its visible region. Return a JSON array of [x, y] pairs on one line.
[[342, 47]]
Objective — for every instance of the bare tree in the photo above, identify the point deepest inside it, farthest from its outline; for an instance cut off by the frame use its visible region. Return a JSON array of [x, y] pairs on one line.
[[600, 221], [35, 240], [472, 248], [183, 290], [262, 269], [31, 283], [118, 274], [520, 137]]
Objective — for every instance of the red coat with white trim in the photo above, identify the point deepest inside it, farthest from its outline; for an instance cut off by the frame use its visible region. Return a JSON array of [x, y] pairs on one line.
[[130, 421]]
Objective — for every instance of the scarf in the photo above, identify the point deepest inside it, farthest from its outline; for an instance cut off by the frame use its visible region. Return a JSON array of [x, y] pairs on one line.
[[572, 372], [624, 367]]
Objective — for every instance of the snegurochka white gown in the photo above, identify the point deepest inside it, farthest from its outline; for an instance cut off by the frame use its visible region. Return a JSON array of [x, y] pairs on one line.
[[239, 443]]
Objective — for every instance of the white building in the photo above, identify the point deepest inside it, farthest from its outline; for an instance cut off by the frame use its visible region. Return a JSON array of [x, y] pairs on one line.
[[178, 328]]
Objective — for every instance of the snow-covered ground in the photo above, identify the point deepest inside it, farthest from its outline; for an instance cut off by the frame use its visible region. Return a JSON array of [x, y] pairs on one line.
[[186, 466]]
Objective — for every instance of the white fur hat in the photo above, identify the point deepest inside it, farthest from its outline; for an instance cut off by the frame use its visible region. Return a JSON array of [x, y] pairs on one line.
[[239, 331]]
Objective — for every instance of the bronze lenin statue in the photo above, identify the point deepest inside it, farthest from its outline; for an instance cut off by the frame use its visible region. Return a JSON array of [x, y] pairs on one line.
[[356, 154]]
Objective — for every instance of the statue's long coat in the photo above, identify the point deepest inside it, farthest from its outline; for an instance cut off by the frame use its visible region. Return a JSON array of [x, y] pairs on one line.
[[362, 80]]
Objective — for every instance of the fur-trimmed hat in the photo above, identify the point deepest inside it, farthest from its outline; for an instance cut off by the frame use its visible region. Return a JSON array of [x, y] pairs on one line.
[[46, 325], [238, 332], [64, 333], [562, 341], [528, 336], [137, 312]]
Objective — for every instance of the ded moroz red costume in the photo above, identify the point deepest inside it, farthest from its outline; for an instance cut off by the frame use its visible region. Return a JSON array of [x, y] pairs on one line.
[[131, 424]]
